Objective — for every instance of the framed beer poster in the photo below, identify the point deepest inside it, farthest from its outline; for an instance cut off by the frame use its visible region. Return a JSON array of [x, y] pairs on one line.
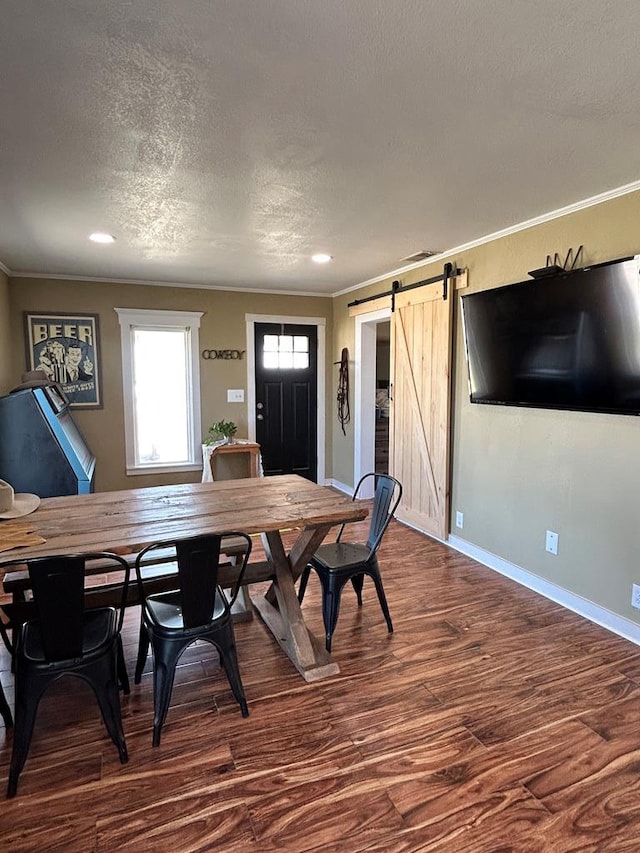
[[66, 347]]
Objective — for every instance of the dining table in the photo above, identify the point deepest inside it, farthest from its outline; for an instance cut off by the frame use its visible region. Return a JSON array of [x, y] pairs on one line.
[[126, 521]]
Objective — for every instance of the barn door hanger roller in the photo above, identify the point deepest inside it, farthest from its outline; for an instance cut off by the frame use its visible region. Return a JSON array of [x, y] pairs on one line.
[[450, 271]]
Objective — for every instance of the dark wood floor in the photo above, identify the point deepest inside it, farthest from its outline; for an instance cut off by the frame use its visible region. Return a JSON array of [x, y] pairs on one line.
[[492, 720]]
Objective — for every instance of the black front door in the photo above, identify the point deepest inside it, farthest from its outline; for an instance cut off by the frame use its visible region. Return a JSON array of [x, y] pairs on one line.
[[286, 398]]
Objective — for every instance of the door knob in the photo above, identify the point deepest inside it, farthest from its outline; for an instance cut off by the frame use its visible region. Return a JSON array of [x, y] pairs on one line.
[[260, 417]]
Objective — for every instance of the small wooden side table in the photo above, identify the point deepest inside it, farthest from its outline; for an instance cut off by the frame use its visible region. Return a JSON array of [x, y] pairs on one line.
[[245, 455], [231, 461]]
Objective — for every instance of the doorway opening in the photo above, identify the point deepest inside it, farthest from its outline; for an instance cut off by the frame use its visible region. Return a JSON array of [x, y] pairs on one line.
[[370, 358], [383, 379]]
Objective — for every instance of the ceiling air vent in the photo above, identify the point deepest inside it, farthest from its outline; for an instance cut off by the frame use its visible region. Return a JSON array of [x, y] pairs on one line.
[[422, 255]]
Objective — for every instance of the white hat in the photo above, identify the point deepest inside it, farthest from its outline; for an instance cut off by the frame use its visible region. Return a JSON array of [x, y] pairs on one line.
[[12, 505]]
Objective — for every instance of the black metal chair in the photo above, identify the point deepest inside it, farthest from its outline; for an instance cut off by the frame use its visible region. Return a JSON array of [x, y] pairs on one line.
[[197, 610], [62, 637], [337, 562], [5, 710]]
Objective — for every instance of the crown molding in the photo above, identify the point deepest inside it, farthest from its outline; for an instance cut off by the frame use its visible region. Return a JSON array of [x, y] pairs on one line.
[[173, 284], [609, 195]]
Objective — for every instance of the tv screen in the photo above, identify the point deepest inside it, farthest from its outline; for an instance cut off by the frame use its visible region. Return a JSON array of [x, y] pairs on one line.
[[566, 341]]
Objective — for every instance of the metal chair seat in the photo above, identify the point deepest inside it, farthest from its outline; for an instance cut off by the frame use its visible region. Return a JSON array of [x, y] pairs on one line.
[[100, 628], [341, 555], [166, 611]]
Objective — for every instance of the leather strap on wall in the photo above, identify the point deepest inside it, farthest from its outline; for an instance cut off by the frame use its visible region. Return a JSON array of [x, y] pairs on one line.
[[344, 412]]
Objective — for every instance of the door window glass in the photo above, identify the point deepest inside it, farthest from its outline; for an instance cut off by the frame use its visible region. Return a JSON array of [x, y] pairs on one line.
[[283, 352]]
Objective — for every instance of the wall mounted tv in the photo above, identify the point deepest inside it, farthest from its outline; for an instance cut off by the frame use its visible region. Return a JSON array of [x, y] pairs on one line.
[[570, 340]]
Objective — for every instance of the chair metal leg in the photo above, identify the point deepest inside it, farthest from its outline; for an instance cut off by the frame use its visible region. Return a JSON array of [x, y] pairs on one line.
[[331, 589], [143, 651], [5, 710], [123, 677], [357, 581], [229, 659], [28, 695], [382, 598], [104, 680], [165, 658], [5, 638], [304, 580]]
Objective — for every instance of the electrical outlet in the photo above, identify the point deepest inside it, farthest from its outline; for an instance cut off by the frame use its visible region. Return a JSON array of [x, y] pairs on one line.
[[459, 519], [635, 595], [552, 542]]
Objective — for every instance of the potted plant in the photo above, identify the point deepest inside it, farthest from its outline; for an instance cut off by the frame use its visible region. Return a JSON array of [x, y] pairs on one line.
[[222, 429]]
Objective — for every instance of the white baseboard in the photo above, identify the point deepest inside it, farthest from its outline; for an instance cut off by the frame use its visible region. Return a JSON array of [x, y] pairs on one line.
[[348, 490], [594, 612]]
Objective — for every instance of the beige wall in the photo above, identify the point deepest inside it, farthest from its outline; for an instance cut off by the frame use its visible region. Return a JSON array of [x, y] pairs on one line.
[[222, 327], [6, 374], [515, 472], [518, 472]]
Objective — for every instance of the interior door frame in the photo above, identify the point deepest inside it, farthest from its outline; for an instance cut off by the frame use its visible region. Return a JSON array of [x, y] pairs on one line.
[[365, 390], [320, 324]]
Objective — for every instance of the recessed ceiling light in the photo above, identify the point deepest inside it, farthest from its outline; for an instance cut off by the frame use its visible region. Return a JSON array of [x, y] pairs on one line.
[[100, 237], [321, 258]]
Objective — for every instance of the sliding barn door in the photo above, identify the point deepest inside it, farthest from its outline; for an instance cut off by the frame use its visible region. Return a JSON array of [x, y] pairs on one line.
[[421, 329]]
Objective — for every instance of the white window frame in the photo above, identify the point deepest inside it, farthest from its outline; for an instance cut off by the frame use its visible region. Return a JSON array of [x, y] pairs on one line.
[[135, 318]]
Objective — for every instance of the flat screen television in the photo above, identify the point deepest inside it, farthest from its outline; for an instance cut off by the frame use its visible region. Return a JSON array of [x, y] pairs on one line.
[[570, 340]]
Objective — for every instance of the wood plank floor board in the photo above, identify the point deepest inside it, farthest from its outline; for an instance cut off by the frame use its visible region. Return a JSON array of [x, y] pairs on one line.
[[273, 748], [189, 824], [490, 721], [334, 808], [487, 822], [630, 668], [402, 722], [603, 771], [492, 768], [71, 836], [423, 797]]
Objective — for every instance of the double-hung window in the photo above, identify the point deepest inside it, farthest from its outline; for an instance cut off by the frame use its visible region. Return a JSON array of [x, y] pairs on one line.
[[161, 382]]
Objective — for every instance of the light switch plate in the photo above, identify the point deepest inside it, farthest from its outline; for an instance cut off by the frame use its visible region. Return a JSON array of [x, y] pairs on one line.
[[235, 395]]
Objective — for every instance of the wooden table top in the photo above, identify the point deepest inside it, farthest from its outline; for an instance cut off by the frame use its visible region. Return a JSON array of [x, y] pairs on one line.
[[126, 521]]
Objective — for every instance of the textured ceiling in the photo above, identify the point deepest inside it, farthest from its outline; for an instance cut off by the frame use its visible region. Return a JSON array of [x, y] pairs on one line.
[[224, 141]]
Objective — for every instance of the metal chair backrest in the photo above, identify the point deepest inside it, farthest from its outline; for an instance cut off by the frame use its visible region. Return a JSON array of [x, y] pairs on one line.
[[58, 585], [58, 592], [384, 507], [198, 560], [387, 495], [198, 564]]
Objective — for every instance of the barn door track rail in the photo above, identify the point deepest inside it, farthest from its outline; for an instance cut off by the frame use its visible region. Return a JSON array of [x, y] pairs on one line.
[[449, 271]]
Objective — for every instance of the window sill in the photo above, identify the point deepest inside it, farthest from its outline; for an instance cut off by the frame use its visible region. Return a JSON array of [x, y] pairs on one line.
[[163, 469]]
